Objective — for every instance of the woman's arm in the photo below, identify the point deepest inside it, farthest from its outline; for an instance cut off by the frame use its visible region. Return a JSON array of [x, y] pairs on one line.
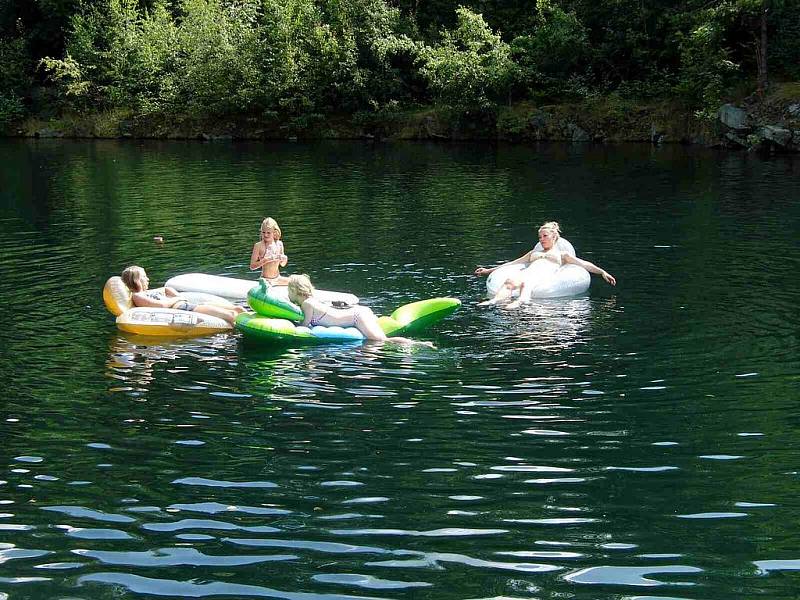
[[283, 258], [308, 311], [591, 267], [142, 299], [522, 259], [255, 257], [256, 261]]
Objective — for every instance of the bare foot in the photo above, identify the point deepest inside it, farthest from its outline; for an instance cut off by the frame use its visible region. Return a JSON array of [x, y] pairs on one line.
[[512, 305], [491, 302]]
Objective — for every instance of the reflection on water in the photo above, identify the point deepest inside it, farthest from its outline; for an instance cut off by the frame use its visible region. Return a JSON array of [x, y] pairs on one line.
[[636, 440], [556, 325]]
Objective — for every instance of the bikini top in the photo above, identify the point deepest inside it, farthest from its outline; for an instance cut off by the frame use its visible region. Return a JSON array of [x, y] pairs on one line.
[[273, 250], [317, 313]]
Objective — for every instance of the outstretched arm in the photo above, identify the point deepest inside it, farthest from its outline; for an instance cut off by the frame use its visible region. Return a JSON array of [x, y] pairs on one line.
[[480, 271], [591, 267]]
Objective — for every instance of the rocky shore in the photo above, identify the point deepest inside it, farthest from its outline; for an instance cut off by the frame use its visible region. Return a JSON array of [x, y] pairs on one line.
[[770, 124]]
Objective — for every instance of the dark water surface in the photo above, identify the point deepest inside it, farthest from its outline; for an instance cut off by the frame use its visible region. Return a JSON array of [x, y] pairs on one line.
[[639, 442]]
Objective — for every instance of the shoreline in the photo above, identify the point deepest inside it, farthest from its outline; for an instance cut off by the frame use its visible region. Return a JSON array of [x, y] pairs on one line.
[[770, 124]]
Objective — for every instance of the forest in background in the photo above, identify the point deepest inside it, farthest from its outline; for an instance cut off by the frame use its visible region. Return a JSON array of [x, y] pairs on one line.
[[300, 62]]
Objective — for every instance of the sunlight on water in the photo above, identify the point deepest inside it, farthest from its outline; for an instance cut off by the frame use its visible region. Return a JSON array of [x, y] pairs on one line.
[[631, 441]]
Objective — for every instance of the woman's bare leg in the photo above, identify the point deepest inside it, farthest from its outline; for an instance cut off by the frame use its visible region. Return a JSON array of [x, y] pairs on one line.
[[524, 297], [367, 323], [504, 293], [226, 314]]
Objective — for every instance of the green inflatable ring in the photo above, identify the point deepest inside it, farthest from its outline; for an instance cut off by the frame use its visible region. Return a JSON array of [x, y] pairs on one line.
[[409, 319], [263, 299]]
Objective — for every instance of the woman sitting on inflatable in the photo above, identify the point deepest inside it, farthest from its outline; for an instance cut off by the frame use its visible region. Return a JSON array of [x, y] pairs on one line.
[[138, 283], [316, 312], [542, 262]]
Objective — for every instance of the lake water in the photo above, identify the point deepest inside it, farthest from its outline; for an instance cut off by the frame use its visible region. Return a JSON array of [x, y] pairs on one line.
[[638, 442]]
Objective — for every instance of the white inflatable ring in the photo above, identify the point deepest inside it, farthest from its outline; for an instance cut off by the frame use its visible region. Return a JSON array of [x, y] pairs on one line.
[[567, 280]]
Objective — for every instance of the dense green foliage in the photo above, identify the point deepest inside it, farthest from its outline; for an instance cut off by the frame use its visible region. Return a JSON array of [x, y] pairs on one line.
[[298, 60]]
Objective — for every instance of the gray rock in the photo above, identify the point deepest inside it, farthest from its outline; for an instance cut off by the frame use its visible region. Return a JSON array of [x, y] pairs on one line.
[[794, 110], [777, 135], [733, 117], [576, 134], [539, 120], [656, 137], [736, 140], [49, 133]]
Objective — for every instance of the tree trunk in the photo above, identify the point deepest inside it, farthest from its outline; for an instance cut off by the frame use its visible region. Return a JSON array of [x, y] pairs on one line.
[[761, 53]]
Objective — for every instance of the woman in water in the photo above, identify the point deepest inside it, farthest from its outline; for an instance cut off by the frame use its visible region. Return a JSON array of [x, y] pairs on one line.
[[541, 263], [138, 283], [316, 312], [268, 254]]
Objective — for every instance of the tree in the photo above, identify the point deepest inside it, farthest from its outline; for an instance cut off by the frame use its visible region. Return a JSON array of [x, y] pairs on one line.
[[471, 67]]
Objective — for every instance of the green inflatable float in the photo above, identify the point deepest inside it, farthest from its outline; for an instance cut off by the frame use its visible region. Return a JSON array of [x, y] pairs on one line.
[[406, 320], [273, 301]]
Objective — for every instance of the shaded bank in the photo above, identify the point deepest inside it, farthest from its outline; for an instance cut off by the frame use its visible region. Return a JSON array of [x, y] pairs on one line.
[[771, 123]]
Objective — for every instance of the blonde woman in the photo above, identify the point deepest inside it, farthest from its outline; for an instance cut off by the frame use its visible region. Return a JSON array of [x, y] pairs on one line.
[[554, 252], [138, 283], [316, 312], [268, 253]]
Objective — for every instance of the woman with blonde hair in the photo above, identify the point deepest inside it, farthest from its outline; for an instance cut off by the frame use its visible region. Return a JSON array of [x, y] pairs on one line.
[[316, 312], [268, 253], [546, 257], [135, 278]]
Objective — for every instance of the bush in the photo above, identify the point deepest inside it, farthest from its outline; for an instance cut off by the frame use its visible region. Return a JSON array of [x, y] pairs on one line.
[[15, 79], [705, 69], [471, 67]]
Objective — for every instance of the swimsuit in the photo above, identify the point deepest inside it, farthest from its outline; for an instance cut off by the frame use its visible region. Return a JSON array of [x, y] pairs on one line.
[[320, 316], [184, 305], [553, 255], [179, 305], [272, 252]]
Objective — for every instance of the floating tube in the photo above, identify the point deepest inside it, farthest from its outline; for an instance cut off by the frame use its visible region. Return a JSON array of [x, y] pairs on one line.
[[156, 321], [555, 282], [170, 322], [273, 301], [408, 319], [545, 280], [237, 289]]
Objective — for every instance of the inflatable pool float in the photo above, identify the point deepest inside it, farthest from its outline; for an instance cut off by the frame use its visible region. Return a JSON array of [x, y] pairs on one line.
[[236, 289], [544, 279], [406, 320], [273, 301], [154, 321]]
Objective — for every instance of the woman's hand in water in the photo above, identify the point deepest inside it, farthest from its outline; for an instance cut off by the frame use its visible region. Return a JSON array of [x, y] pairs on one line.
[[481, 271], [608, 277]]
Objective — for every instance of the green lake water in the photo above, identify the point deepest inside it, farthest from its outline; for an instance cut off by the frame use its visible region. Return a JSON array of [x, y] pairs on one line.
[[637, 442]]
